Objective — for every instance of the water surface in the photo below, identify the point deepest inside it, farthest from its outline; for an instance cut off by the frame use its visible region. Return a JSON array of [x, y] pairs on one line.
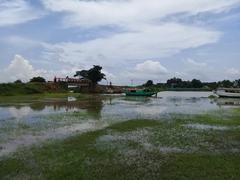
[[23, 123]]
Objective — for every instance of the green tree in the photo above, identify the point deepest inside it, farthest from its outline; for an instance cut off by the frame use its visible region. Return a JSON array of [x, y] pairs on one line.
[[174, 82], [196, 83], [18, 81], [94, 74], [38, 79], [237, 83], [226, 83], [149, 83]]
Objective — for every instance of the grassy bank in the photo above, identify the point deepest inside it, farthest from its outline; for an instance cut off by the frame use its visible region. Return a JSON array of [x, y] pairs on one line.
[[175, 147], [11, 89]]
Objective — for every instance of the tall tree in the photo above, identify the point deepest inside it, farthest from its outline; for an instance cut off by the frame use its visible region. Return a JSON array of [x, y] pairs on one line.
[[94, 74], [226, 83], [19, 81], [174, 82], [237, 83], [148, 83], [196, 83]]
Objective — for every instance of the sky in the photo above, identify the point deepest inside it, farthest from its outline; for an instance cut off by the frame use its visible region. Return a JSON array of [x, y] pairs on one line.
[[133, 40]]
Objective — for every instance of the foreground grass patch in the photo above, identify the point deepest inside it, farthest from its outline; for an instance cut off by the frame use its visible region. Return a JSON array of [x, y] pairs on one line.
[[135, 149], [133, 125], [198, 166]]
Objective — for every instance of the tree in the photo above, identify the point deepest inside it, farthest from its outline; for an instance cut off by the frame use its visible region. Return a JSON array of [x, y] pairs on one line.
[[38, 79], [149, 83], [226, 84], [211, 85], [94, 74], [18, 81], [196, 83], [237, 83], [174, 82]]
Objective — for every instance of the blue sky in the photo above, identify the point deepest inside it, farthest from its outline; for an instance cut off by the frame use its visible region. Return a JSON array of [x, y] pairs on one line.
[[132, 39]]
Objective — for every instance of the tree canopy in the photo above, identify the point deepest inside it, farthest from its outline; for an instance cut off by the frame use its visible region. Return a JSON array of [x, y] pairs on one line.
[[38, 79], [179, 83], [226, 83], [94, 74], [196, 83], [19, 81], [149, 83], [237, 83]]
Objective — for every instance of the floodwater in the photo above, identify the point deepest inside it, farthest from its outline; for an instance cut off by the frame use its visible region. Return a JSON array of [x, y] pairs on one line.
[[24, 123]]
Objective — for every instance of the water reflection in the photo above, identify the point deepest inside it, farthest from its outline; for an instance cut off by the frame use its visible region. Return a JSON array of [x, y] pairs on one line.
[[26, 119], [227, 101], [19, 112], [93, 106], [136, 99], [102, 107], [37, 106]]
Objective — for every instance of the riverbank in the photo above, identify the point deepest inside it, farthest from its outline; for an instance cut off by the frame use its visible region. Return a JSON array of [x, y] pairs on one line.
[[177, 146], [14, 89], [31, 89]]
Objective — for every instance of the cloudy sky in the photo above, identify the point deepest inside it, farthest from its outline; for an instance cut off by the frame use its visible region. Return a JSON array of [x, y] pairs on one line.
[[132, 39]]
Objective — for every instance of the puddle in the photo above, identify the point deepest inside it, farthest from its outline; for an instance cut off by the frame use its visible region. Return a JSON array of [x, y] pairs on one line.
[[206, 127], [30, 139], [70, 99]]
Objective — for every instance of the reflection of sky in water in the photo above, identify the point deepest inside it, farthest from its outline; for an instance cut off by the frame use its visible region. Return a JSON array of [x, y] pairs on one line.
[[28, 111], [167, 102], [111, 107], [20, 112]]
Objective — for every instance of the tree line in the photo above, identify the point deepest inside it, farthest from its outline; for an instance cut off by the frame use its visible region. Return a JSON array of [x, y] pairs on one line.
[[37, 79], [95, 75], [195, 83]]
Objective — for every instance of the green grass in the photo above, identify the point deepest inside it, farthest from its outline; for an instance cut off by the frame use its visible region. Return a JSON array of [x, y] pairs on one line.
[[227, 117], [136, 149], [198, 166], [133, 125], [13, 89]]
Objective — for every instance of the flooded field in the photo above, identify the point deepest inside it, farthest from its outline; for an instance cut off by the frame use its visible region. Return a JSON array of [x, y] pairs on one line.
[[31, 121], [131, 131]]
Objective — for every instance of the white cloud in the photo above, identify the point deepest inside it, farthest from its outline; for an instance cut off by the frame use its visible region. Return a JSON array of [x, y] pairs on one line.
[[233, 71], [143, 31], [151, 67], [149, 42], [23, 43], [130, 48], [17, 11], [197, 69], [194, 63], [147, 32], [148, 70], [130, 12], [206, 71], [19, 68]]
